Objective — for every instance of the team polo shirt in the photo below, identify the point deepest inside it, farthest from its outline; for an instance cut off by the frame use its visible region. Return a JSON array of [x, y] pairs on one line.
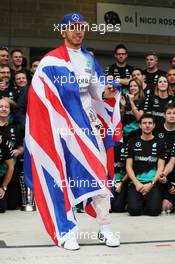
[[130, 123], [145, 155], [119, 72], [155, 105], [152, 77], [120, 155], [168, 137], [5, 154]]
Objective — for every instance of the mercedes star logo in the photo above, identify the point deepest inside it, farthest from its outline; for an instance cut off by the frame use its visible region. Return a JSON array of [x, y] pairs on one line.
[[75, 17]]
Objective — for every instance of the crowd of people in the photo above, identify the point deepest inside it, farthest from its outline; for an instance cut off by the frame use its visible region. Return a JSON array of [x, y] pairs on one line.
[[144, 161], [15, 79]]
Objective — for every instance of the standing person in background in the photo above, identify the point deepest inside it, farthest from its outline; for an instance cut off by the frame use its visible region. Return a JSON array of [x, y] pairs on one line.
[[17, 63], [148, 90], [120, 70], [173, 62], [34, 65], [171, 79], [4, 55], [132, 105], [152, 72], [156, 104]]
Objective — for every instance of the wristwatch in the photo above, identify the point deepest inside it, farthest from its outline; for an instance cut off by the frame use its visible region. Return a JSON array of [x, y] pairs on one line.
[[4, 188]]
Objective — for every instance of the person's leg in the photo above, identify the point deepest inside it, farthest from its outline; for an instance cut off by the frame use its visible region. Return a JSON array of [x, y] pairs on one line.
[[102, 207], [135, 201], [3, 205], [153, 204], [167, 206], [13, 193], [118, 202]]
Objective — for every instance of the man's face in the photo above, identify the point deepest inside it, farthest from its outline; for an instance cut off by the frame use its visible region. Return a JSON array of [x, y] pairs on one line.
[[173, 62], [5, 74], [121, 55], [34, 66], [151, 62], [147, 125], [20, 80], [4, 108], [73, 36], [171, 76], [170, 115], [136, 74], [4, 57], [17, 58]]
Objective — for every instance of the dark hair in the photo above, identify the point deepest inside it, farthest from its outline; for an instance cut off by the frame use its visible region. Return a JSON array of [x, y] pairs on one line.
[[120, 46], [16, 50], [34, 60], [146, 115], [90, 49], [22, 71], [169, 106], [138, 69], [4, 65]]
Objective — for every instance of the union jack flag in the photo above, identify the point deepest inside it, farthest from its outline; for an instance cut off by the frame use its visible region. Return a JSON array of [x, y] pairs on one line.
[[55, 163]]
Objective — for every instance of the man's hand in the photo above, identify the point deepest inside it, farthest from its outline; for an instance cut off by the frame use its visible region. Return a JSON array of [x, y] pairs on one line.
[[2, 193], [172, 190], [147, 188], [139, 187], [118, 187], [162, 178], [109, 91], [16, 152]]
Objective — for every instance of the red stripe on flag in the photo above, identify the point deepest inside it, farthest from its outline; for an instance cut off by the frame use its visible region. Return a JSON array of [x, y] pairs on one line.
[[90, 210], [39, 118], [110, 161], [118, 135], [42, 204]]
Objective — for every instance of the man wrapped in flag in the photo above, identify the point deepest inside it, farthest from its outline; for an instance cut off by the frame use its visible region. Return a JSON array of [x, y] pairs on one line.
[[65, 156]]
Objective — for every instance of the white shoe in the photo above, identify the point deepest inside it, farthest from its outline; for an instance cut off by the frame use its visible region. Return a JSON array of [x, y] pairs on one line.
[[106, 235], [71, 244]]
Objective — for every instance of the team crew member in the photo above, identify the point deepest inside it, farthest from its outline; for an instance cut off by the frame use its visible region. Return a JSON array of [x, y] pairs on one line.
[[15, 142], [148, 90], [5, 157], [152, 72], [120, 70], [168, 135], [169, 195], [171, 79], [118, 202], [156, 104], [144, 165], [132, 105]]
